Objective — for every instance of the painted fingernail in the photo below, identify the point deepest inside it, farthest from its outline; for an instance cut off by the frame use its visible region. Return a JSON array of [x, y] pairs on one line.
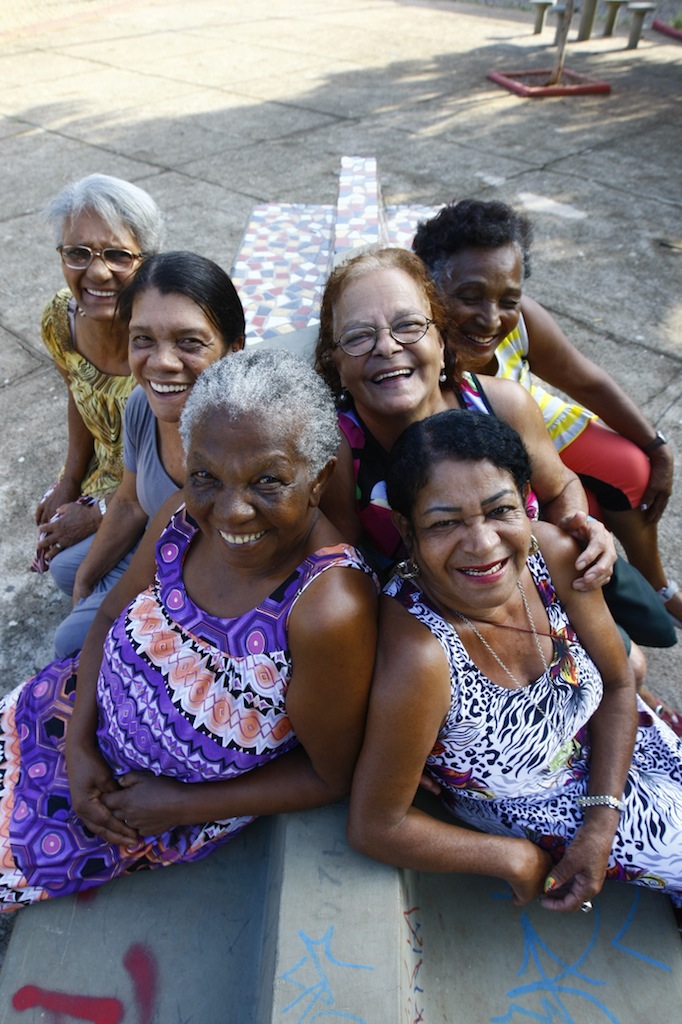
[[550, 883]]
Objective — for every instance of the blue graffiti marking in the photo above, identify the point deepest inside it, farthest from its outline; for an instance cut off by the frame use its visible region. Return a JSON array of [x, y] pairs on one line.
[[318, 990], [617, 944], [553, 987]]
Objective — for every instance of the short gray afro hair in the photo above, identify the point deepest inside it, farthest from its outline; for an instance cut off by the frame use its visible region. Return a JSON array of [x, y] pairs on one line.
[[275, 385], [119, 203]]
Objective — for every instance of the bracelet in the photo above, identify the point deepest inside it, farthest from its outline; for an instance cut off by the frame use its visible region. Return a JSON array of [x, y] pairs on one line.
[[602, 801], [102, 506]]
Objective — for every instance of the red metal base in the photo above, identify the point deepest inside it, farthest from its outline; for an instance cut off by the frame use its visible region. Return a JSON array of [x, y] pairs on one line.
[[533, 83], [668, 30]]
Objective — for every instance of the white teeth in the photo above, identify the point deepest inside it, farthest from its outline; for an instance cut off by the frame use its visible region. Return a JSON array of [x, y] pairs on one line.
[[482, 341], [241, 538], [392, 373], [167, 389], [101, 295], [483, 572]]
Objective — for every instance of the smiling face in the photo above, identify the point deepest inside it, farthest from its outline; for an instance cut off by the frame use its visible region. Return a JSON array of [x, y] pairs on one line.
[[393, 380], [482, 293], [171, 340], [250, 491], [97, 288], [469, 535]]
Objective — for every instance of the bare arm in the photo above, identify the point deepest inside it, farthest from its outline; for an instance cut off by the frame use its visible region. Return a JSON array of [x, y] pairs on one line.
[[553, 358], [409, 701], [79, 452], [332, 636], [89, 775], [338, 500], [559, 490], [121, 528], [74, 522], [580, 874]]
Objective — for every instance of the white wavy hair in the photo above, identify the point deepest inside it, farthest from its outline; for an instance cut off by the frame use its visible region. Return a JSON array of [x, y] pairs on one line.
[[275, 384], [119, 203]]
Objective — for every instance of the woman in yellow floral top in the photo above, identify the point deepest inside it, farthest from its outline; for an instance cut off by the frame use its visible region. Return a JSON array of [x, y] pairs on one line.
[[104, 227]]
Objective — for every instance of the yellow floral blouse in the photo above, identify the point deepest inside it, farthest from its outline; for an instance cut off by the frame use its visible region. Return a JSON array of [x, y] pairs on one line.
[[99, 397]]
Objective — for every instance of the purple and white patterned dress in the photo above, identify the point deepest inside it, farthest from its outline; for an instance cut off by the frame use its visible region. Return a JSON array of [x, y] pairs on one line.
[[513, 762], [180, 693]]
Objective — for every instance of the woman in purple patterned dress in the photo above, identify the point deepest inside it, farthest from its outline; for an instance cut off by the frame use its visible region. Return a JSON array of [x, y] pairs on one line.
[[225, 676], [512, 687]]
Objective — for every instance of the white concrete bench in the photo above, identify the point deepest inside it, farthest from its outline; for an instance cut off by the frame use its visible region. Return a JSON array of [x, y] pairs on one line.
[[287, 925]]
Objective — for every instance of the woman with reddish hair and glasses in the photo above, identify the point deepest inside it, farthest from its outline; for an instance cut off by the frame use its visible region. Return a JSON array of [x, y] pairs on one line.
[[104, 227]]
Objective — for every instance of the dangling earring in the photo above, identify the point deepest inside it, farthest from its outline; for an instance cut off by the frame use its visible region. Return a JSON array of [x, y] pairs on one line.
[[343, 399], [81, 312], [443, 375], [534, 546], [408, 569]]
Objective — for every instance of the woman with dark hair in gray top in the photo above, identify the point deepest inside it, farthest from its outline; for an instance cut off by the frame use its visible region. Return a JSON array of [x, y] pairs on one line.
[[182, 313]]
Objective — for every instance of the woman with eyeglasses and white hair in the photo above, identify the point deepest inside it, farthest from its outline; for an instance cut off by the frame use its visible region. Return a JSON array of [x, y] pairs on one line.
[[104, 227]]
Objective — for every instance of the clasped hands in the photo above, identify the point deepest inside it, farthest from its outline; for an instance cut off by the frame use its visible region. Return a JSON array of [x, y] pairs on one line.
[[63, 520], [122, 811], [565, 886]]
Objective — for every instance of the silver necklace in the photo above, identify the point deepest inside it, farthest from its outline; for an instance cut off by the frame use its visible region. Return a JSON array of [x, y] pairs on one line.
[[488, 648]]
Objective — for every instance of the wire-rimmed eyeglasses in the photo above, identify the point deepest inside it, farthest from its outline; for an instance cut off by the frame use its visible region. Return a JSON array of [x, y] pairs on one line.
[[79, 257], [406, 330]]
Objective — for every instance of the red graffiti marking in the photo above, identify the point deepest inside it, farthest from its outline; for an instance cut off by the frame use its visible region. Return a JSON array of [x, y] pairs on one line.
[[415, 928], [141, 965], [98, 1011], [87, 895]]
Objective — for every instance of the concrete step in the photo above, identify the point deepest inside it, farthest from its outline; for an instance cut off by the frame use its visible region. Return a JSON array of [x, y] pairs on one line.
[[287, 924]]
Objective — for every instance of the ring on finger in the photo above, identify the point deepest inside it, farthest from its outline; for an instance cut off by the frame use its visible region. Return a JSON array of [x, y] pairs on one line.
[[586, 907]]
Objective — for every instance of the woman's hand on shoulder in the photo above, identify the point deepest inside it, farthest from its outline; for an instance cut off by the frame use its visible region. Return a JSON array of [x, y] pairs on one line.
[[597, 558]]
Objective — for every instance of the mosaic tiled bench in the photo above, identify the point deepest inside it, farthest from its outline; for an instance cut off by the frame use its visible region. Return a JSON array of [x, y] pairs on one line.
[[287, 252]]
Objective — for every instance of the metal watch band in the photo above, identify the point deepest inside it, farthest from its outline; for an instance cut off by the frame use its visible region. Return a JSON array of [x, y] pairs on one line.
[[602, 801]]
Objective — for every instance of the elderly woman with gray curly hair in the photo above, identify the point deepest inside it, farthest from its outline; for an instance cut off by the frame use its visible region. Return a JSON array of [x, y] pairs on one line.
[[226, 675]]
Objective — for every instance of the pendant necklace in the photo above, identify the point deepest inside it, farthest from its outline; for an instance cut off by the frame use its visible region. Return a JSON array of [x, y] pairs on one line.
[[531, 622]]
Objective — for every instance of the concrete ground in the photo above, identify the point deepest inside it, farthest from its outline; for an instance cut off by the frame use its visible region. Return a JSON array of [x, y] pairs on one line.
[[214, 106]]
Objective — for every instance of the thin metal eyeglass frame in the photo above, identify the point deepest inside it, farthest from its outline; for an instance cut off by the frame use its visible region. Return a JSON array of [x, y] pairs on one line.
[[376, 330], [94, 253]]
